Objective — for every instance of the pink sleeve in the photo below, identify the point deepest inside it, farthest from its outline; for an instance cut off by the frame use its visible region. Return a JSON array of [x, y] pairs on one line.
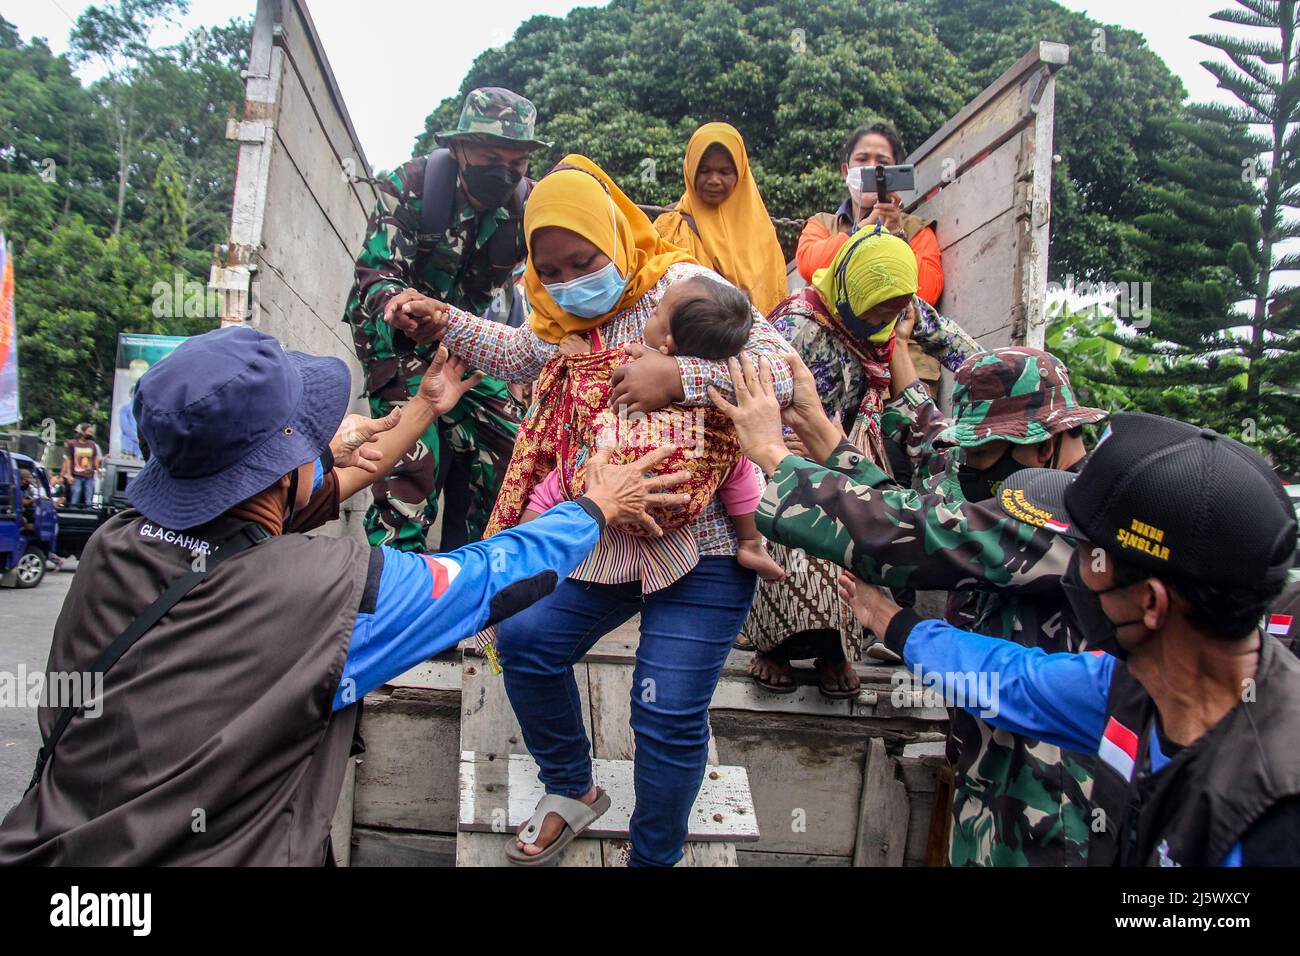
[[546, 494], [741, 490]]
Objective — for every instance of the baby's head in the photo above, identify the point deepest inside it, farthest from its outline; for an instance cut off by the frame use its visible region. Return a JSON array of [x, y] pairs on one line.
[[701, 318]]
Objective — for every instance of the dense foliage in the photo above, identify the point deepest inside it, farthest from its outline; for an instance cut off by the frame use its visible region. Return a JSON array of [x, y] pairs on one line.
[[109, 189]]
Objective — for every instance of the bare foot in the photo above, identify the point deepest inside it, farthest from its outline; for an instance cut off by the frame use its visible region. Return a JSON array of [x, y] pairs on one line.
[[838, 677], [752, 554], [553, 826], [768, 670]]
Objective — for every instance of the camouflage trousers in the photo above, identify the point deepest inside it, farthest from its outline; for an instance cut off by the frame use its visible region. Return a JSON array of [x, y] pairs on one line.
[[476, 437]]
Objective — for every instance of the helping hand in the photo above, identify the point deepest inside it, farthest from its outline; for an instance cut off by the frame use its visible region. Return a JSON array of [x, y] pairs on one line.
[[624, 492], [423, 319], [873, 606], [444, 383], [756, 414], [353, 443]]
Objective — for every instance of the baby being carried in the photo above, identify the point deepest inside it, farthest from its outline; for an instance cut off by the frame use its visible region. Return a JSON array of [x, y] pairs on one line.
[[705, 319]]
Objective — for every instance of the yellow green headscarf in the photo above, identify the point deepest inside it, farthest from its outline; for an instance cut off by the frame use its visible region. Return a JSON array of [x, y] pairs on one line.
[[872, 267]]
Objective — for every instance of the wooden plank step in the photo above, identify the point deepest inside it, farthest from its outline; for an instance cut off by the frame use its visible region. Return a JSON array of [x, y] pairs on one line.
[[499, 792]]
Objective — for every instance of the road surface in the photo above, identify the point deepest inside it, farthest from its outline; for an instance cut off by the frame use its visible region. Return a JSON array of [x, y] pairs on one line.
[[26, 625]]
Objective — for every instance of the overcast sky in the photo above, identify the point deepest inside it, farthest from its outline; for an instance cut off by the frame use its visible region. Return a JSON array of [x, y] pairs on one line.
[[388, 116]]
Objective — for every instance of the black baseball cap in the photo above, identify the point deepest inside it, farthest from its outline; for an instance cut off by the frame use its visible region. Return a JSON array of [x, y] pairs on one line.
[[1167, 497]]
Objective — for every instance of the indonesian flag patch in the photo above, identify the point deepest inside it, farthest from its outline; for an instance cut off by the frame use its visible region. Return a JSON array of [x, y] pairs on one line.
[[444, 571], [1280, 623], [1119, 748]]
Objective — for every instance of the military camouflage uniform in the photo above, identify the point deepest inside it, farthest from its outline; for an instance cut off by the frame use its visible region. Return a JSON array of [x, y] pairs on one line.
[[1018, 801], [456, 270]]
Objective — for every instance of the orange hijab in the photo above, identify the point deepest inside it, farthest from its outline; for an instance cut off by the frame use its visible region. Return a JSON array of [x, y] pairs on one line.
[[585, 200], [736, 237]]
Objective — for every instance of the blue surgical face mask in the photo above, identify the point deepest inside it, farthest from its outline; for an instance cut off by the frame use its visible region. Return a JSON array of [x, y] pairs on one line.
[[318, 477], [591, 295]]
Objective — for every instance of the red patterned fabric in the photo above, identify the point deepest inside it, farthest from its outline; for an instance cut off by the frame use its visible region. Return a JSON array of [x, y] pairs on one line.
[[570, 418]]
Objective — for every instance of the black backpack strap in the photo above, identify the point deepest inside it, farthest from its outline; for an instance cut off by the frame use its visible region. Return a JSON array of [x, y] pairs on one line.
[[241, 540], [503, 247], [437, 197]]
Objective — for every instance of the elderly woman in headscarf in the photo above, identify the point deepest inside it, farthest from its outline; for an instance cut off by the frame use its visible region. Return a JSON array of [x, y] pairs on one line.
[[842, 326], [597, 268], [721, 220]]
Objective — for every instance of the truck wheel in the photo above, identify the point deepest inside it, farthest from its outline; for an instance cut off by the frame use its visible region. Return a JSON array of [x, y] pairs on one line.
[[30, 568]]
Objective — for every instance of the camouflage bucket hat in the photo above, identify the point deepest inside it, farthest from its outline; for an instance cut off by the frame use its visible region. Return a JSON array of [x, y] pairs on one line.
[[1016, 394], [497, 114]]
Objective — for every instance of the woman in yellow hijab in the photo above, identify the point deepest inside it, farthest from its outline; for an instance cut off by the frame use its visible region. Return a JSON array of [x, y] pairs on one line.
[[579, 199], [721, 219], [842, 326], [597, 268]]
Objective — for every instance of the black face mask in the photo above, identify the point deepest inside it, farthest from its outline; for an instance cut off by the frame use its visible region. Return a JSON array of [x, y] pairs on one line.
[[981, 484], [491, 184], [1094, 624]]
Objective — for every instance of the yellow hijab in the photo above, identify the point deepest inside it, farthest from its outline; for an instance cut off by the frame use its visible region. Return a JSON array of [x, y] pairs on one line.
[[585, 200], [736, 237], [872, 267]]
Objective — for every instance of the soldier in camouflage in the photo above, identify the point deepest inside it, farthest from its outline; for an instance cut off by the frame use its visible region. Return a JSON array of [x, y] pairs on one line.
[[1018, 801], [459, 265]]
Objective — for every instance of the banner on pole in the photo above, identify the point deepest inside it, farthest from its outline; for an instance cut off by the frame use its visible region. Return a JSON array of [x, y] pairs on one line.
[[9, 410]]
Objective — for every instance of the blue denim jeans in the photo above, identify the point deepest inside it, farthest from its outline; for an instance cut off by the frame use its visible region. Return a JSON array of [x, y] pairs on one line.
[[686, 631], [83, 492]]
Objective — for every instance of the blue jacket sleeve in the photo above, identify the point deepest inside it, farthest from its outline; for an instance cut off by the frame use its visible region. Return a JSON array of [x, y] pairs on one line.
[[1056, 698], [427, 603]]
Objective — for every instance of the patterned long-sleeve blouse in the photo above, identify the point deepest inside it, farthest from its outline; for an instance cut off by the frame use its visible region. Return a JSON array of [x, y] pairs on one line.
[[518, 354], [838, 372]]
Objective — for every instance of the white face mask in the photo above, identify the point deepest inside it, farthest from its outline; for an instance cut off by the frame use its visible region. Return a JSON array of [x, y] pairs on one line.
[[854, 181]]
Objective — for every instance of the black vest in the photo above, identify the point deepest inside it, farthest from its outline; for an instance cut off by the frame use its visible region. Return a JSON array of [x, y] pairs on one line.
[[1194, 810], [217, 742]]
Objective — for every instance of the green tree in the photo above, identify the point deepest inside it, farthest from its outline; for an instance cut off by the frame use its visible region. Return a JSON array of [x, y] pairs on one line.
[[1221, 345], [68, 327], [628, 84], [117, 35], [1262, 74], [86, 266]]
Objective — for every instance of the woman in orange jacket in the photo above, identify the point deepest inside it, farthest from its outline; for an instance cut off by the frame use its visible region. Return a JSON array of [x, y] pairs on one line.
[[875, 145]]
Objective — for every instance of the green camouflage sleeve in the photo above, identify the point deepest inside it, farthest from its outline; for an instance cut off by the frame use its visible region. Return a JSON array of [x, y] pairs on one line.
[[383, 268], [899, 538], [914, 420]]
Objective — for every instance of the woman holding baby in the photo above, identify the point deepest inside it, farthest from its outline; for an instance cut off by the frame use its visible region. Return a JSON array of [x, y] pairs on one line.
[[655, 329]]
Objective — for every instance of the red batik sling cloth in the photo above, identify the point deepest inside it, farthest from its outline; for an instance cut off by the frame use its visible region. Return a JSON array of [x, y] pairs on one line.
[[570, 419]]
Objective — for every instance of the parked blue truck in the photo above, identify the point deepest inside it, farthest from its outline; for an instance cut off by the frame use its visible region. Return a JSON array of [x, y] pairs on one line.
[[28, 520]]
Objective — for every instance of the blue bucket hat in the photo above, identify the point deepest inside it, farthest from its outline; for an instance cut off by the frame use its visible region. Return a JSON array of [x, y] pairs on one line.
[[225, 416]]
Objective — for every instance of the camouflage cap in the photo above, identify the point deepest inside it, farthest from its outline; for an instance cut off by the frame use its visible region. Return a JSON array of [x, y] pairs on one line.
[[496, 114], [1016, 394]]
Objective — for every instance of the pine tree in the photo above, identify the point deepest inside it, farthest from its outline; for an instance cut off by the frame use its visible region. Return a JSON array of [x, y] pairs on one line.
[[1220, 344], [1262, 74]]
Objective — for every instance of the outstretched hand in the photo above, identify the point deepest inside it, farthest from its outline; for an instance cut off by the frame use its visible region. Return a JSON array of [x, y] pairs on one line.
[[353, 445], [624, 492], [873, 606], [756, 413], [444, 381]]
